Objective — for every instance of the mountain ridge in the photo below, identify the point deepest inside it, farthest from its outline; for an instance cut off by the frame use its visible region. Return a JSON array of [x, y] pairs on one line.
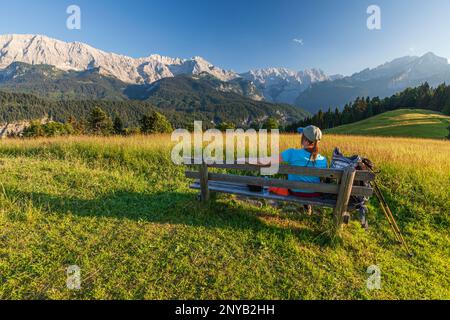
[[382, 81], [77, 56], [310, 89], [48, 81]]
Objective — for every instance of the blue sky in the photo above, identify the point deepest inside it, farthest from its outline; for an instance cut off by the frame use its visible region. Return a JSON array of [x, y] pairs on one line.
[[245, 34]]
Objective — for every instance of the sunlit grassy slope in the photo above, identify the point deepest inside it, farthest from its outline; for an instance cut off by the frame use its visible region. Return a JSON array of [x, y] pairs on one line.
[[119, 209], [400, 123]]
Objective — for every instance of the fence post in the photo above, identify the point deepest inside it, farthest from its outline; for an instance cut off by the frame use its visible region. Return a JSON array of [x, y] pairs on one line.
[[204, 182], [345, 190]]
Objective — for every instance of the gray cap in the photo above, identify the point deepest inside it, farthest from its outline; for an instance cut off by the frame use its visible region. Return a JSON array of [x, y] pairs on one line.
[[312, 133]]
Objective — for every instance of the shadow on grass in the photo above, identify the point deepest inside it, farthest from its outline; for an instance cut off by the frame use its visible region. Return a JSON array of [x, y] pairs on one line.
[[174, 208]]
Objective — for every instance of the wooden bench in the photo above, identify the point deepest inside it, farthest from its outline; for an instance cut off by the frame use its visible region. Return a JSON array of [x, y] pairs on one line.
[[342, 185]]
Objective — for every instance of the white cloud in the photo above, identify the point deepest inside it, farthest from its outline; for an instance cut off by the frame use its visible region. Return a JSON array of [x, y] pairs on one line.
[[299, 41]]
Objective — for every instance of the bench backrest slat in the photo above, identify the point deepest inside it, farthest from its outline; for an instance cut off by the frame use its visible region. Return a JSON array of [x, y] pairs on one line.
[[366, 176]]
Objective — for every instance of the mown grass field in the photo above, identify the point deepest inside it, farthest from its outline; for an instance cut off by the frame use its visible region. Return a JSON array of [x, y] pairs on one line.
[[400, 123], [119, 209]]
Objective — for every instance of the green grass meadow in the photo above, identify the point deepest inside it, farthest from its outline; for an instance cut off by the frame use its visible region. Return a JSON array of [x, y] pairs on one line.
[[120, 210], [400, 123]]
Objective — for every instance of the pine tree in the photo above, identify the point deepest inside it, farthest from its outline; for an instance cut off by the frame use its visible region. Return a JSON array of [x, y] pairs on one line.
[[320, 119], [82, 126], [99, 122], [369, 111], [118, 126], [271, 124], [224, 126], [337, 117], [446, 109], [155, 123]]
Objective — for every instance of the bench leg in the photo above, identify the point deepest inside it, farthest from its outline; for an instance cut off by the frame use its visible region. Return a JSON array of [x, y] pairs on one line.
[[345, 191], [204, 183]]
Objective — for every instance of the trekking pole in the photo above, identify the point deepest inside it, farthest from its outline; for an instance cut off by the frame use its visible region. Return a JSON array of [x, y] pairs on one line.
[[403, 241], [394, 222], [399, 240]]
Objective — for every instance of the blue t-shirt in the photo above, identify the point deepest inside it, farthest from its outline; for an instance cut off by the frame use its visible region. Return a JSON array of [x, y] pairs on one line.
[[301, 158]]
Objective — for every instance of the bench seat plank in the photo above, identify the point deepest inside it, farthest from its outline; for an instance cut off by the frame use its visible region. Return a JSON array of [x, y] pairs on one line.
[[242, 190]]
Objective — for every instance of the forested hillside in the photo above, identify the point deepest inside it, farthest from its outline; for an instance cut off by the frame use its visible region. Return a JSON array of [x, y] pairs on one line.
[[202, 99], [422, 97], [181, 111]]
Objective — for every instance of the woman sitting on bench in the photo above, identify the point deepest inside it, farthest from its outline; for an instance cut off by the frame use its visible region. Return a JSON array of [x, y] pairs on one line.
[[308, 156]]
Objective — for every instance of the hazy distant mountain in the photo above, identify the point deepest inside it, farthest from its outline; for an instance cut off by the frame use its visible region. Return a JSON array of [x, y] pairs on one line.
[[283, 85], [381, 81], [37, 49]]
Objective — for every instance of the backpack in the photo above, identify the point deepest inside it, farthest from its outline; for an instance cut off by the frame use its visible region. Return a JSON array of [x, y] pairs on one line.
[[339, 161]]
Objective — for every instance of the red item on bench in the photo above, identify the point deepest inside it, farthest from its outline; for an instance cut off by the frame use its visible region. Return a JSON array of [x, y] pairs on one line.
[[279, 191]]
